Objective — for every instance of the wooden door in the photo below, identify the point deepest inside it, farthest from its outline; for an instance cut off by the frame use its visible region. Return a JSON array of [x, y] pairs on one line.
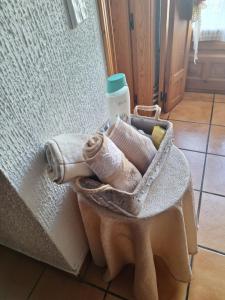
[[175, 45], [119, 14], [128, 35], [143, 49]]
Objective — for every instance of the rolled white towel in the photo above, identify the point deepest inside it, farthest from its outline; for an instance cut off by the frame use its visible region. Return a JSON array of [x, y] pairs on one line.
[[64, 157]]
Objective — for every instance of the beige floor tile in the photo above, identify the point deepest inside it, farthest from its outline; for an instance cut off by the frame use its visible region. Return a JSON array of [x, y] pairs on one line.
[[212, 222], [217, 140], [208, 281], [18, 274], [168, 287], [196, 161], [198, 96], [218, 117], [193, 111], [123, 284], [58, 285], [191, 136], [94, 275], [214, 181], [220, 98]]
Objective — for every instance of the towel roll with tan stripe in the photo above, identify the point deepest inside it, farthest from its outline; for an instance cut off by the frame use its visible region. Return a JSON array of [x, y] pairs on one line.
[[110, 164], [138, 148]]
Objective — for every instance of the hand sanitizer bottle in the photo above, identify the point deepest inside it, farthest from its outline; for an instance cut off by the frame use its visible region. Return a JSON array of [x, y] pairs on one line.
[[118, 97]]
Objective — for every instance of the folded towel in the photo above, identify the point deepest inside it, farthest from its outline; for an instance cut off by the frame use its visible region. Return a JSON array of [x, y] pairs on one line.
[[109, 163], [158, 134], [65, 158], [138, 148]]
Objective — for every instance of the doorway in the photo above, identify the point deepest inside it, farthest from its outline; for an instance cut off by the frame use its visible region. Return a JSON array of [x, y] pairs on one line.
[[208, 73]]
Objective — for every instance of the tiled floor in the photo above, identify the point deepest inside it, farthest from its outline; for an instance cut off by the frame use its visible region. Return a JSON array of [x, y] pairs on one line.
[[199, 124]]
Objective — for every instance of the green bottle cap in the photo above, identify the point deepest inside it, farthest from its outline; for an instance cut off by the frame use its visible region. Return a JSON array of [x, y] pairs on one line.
[[116, 82]]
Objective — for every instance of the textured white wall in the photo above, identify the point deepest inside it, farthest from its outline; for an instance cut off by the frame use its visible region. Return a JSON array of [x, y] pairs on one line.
[[52, 80]]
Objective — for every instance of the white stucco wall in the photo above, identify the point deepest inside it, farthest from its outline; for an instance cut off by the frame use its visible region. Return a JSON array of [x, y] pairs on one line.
[[52, 80]]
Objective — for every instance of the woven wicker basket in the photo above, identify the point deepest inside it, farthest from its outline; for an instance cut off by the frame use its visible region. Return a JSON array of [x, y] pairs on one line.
[[130, 204]]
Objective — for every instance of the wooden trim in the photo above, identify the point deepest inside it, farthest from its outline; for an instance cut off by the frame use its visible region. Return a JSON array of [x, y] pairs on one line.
[[210, 46], [152, 46], [163, 46], [189, 35], [107, 34], [169, 50]]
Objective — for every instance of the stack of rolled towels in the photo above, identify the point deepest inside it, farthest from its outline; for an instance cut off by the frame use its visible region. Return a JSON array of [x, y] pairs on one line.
[[119, 157]]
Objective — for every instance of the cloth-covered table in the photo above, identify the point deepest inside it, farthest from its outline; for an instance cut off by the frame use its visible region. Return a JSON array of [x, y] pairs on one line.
[[166, 227]]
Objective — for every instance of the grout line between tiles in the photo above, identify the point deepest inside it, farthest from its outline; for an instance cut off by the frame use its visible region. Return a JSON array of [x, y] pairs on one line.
[[93, 285], [190, 122], [107, 289], [190, 150], [189, 283], [83, 280], [116, 295], [202, 152], [36, 283], [104, 296], [212, 250], [215, 194], [215, 154], [204, 166], [193, 122]]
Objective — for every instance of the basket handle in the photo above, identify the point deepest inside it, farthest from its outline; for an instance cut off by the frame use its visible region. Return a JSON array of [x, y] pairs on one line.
[[155, 108]]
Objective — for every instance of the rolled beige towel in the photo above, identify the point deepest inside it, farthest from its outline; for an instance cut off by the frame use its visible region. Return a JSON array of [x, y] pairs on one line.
[[109, 163], [65, 158], [138, 148]]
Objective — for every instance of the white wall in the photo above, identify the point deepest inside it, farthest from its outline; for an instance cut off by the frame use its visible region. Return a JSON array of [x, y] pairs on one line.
[[52, 80]]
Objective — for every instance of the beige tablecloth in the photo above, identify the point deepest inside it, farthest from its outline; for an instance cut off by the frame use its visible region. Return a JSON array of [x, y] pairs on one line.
[[117, 240], [165, 226]]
